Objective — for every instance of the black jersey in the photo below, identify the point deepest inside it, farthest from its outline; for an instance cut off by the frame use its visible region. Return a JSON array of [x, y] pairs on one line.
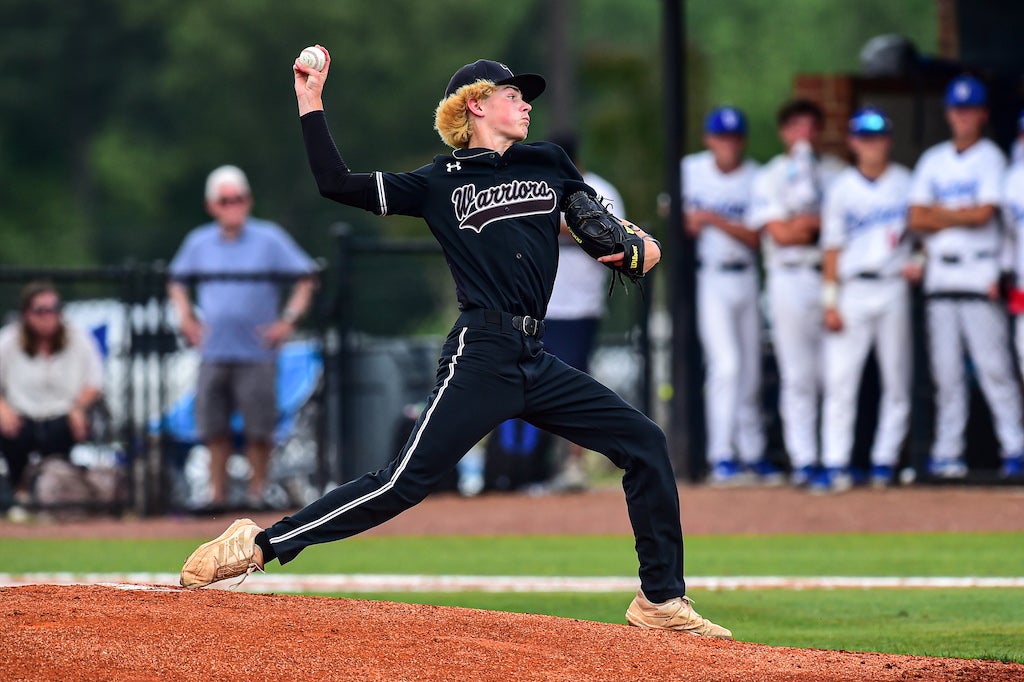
[[495, 215]]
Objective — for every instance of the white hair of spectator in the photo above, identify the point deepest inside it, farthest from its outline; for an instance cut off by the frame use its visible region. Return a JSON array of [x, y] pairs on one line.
[[225, 175]]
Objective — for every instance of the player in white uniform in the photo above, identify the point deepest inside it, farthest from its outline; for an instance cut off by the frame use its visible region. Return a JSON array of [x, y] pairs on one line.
[[577, 305], [866, 300], [786, 205], [716, 191], [954, 197], [1013, 219]]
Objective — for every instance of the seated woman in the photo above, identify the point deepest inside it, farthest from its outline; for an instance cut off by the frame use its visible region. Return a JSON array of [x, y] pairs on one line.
[[50, 375]]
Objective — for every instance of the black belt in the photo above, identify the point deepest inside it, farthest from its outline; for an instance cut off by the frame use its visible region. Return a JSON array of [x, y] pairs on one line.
[[958, 296], [868, 275], [479, 317], [728, 266], [801, 266], [956, 259]]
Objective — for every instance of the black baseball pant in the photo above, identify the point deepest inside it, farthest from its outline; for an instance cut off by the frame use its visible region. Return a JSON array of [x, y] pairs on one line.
[[489, 372]]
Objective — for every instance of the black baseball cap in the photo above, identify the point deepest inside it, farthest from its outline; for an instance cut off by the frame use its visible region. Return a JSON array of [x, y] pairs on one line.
[[530, 84]]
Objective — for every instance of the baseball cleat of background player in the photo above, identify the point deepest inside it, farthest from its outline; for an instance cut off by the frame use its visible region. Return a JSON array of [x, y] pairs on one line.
[[233, 553], [1013, 467], [674, 614], [767, 474], [728, 474], [831, 480], [802, 476], [882, 476], [947, 468]]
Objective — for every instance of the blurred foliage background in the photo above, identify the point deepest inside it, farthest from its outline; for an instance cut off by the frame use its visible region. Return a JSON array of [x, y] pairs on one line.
[[112, 112]]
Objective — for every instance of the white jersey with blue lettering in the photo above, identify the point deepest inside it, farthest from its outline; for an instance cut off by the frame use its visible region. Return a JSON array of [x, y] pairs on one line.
[[774, 186], [867, 220], [961, 259], [707, 188]]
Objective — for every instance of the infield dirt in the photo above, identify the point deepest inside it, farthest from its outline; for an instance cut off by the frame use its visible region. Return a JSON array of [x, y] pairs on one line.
[[104, 633]]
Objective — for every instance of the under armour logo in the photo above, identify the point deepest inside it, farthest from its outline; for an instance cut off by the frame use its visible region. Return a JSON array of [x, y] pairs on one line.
[[729, 119], [963, 91], [453, 166]]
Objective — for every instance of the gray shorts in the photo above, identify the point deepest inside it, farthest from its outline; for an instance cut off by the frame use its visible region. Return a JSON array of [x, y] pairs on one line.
[[248, 387]]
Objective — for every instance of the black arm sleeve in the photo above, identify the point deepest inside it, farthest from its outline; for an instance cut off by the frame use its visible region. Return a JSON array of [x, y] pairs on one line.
[[333, 177]]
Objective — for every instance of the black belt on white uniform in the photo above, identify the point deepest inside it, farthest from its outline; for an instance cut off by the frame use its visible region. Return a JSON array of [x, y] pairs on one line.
[[957, 259], [725, 266], [801, 266], [495, 319]]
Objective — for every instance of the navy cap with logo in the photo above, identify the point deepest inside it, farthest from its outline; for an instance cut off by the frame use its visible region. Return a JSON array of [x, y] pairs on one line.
[[530, 84], [966, 91], [725, 121], [870, 121]]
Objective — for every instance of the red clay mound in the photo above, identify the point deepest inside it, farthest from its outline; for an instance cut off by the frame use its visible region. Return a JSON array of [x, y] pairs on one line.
[[102, 633]]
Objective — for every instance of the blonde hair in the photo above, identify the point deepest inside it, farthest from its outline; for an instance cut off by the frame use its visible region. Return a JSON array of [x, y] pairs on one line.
[[452, 120]]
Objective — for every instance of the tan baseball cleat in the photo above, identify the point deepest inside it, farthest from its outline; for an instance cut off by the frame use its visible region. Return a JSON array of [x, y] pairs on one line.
[[675, 614], [234, 553]]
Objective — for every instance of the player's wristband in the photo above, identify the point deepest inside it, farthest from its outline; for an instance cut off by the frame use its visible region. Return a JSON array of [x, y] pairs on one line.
[[830, 295]]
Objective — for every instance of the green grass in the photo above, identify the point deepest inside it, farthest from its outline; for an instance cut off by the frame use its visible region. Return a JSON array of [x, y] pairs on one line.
[[954, 623], [966, 623], [895, 554]]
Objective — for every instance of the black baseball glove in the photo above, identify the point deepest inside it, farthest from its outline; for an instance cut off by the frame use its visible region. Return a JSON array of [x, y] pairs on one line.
[[600, 233]]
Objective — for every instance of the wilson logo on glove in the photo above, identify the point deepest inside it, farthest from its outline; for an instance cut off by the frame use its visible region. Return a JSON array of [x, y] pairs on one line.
[[600, 233]]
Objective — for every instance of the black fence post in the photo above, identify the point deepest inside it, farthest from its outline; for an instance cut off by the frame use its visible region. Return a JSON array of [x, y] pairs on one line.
[[338, 358]]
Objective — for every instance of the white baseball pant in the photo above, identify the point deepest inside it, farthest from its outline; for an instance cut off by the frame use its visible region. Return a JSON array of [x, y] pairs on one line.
[[982, 326], [729, 322], [875, 313], [794, 295]]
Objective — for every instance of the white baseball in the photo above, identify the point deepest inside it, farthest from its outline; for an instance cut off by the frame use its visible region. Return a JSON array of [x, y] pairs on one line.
[[313, 57]]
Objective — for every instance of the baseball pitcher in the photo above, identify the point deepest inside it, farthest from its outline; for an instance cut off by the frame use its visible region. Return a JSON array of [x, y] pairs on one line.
[[493, 205]]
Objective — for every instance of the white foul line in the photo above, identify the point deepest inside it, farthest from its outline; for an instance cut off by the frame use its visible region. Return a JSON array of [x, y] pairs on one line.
[[262, 582]]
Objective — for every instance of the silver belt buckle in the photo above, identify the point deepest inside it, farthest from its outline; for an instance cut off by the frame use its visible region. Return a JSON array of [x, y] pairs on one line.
[[530, 325]]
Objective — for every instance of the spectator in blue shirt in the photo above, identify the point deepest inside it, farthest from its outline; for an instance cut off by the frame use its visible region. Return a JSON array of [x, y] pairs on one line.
[[237, 264]]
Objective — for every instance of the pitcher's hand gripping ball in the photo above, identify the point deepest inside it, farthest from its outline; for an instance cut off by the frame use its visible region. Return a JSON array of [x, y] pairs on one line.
[[599, 233], [313, 57]]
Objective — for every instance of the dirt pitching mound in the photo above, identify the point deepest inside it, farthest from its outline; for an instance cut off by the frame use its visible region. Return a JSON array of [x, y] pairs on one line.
[[108, 633]]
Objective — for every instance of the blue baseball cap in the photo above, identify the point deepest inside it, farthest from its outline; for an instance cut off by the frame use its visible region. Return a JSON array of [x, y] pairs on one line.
[[870, 121], [966, 91], [725, 121]]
